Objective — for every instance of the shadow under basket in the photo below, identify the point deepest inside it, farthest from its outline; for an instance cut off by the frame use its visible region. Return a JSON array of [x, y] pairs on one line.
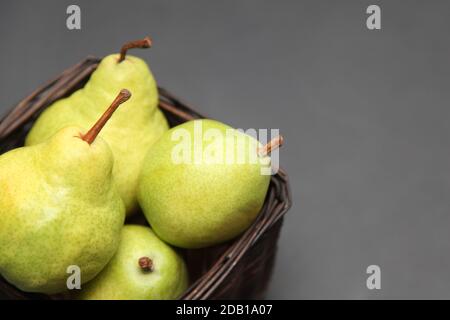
[[238, 269]]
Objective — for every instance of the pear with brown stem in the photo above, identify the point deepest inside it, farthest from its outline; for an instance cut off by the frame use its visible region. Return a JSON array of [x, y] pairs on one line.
[[143, 268], [59, 207], [197, 199], [134, 128]]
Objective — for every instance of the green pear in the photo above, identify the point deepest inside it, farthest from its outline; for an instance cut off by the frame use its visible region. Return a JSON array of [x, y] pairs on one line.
[[133, 129], [143, 268], [202, 183], [59, 207]]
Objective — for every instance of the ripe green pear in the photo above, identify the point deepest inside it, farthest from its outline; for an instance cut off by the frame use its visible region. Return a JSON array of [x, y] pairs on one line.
[[59, 207], [144, 268], [135, 126], [196, 197]]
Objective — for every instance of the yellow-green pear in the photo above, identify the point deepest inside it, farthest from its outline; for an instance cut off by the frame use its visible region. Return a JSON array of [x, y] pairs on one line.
[[144, 268], [59, 209], [132, 131], [204, 183]]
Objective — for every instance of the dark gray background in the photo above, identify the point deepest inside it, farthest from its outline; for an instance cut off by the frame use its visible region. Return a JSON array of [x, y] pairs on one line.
[[365, 115]]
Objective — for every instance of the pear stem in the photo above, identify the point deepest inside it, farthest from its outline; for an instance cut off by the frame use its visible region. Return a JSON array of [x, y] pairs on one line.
[[90, 136], [143, 43], [275, 143], [146, 264]]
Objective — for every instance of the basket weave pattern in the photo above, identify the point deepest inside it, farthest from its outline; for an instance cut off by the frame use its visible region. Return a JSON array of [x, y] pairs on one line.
[[239, 269]]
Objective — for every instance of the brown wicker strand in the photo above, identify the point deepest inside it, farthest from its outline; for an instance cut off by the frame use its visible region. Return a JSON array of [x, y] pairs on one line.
[[170, 108]]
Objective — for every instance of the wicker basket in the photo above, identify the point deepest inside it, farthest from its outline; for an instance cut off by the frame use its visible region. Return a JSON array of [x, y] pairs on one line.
[[239, 269]]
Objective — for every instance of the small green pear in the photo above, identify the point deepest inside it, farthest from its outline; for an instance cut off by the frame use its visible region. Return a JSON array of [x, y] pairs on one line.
[[59, 207], [144, 268], [134, 128], [202, 183]]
